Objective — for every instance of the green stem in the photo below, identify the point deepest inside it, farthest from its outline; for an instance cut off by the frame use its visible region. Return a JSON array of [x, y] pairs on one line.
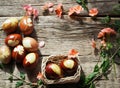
[[114, 53], [27, 82], [84, 5], [101, 74], [114, 68], [99, 57]]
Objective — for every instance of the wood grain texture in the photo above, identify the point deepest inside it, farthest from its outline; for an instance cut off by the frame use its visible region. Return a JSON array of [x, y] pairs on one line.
[[15, 9], [60, 35]]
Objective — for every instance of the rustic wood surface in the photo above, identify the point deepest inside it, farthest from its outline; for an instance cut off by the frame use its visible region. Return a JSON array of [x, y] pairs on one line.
[[60, 35]]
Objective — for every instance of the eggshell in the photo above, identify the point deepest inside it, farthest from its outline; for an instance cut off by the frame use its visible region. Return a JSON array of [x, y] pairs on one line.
[[18, 53], [30, 44], [30, 61], [26, 25], [13, 40]]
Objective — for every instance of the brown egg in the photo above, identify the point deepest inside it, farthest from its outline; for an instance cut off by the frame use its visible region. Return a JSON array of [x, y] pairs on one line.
[[30, 61], [53, 71], [69, 66], [30, 44], [13, 40], [5, 54], [10, 25], [26, 25], [18, 53]]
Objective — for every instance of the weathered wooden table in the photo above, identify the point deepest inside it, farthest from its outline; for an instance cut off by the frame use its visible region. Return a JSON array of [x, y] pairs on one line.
[[60, 35]]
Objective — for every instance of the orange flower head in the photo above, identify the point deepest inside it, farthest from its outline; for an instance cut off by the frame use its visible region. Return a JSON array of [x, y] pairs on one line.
[[59, 10], [100, 35], [73, 53], [40, 76], [93, 12], [75, 10], [108, 31]]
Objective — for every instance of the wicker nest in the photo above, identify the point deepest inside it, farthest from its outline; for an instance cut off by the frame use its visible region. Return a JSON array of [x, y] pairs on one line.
[[68, 79]]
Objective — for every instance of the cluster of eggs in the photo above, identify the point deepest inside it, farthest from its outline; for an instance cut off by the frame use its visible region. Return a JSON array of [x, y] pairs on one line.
[[17, 47]]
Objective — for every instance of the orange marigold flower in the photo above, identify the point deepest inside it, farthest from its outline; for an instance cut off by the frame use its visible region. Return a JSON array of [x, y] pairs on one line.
[[108, 31], [40, 76], [75, 10], [100, 35], [93, 12], [93, 43], [73, 53], [59, 10]]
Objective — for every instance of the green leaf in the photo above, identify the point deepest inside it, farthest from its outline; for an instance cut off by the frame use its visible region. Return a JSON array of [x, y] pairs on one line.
[[109, 46], [10, 78], [116, 25], [1, 66], [105, 65], [92, 85], [22, 75], [18, 84], [96, 68], [81, 83], [79, 1], [118, 53], [90, 77], [83, 3], [39, 82], [106, 20], [116, 9], [103, 53]]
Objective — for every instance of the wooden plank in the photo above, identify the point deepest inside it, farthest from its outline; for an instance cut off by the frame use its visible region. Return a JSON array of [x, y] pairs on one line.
[[59, 33], [62, 33], [16, 9], [41, 2], [88, 66]]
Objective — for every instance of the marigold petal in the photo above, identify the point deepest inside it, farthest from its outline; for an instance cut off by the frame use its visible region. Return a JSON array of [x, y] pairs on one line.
[[59, 10], [75, 9], [93, 12], [39, 76], [108, 31], [73, 52], [71, 11], [100, 35]]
